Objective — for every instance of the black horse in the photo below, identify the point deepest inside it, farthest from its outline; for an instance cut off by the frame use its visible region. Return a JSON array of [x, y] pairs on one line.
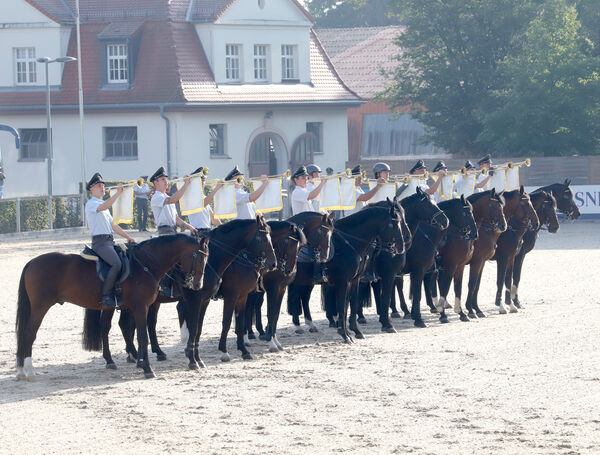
[[427, 232], [454, 250], [565, 203]]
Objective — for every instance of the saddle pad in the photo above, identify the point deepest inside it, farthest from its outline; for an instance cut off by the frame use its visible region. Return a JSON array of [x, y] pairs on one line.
[[102, 267]]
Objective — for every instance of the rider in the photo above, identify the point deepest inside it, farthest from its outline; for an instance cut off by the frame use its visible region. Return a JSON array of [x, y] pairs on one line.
[[304, 195], [163, 205], [246, 210], [141, 191], [419, 169], [204, 219], [314, 173], [361, 196], [382, 170], [482, 179], [100, 223], [463, 186]]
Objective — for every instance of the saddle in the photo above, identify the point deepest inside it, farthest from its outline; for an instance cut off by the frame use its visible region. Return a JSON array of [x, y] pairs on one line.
[[102, 267]]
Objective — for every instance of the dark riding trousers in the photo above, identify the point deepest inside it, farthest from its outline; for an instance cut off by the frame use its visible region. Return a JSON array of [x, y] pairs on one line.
[[104, 246], [167, 230]]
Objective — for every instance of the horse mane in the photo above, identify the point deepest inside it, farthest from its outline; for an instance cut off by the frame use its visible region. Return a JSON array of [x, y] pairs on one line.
[[449, 204], [163, 239], [511, 194], [300, 218], [358, 217], [230, 226]]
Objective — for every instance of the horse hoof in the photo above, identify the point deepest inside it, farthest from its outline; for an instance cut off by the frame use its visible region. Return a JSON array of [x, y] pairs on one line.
[[201, 364], [299, 331], [263, 337], [31, 377], [251, 336], [395, 315], [419, 323], [389, 329], [362, 321], [111, 366], [503, 312], [225, 357], [517, 304], [480, 314], [313, 329], [247, 356], [407, 316], [434, 310], [464, 318], [193, 366], [513, 309], [161, 357], [359, 336], [21, 376], [247, 344], [149, 375], [131, 358], [497, 303], [443, 320], [273, 349], [332, 324]]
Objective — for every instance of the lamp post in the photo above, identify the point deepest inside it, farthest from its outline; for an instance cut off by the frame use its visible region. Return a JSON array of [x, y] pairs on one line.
[[46, 61]]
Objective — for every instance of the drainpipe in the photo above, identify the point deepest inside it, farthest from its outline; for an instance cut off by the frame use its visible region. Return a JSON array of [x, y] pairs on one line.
[[168, 131]]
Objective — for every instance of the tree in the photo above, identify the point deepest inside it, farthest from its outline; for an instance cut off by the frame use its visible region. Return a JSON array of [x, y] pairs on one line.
[[351, 13], [448, 67], [551, 103]]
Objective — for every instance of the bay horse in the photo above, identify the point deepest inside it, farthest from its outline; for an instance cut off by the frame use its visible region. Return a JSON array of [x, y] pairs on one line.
[[351, 237], [565, 203], [427, 230], [454, 251], [508, 245], [485, 246], [242, 276], [316, 229], [58, 278]]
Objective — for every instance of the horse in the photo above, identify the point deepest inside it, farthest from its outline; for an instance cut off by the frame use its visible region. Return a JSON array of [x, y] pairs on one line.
[[227, 242], [298, 298], [242, 276], [351, 238], [427, 230], [454, 251], [485, 245], [316, 229], [58, 278], [565, 204]]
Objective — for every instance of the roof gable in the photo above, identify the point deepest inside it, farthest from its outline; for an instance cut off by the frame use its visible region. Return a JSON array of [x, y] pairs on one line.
[[35, 11], [246, 11]]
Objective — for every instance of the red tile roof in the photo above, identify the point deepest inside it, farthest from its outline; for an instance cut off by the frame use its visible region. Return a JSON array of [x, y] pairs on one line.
[[359, 55], [171, 66]]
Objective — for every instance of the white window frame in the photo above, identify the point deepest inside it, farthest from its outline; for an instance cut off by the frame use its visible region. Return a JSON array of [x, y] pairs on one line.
[[28, 66], [233, 69], [261, 62], [118, 74], [119, 144], [216, 144], [289, 62]]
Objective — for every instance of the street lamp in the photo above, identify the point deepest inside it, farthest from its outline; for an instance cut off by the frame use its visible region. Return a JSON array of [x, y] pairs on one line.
[[46, 61]]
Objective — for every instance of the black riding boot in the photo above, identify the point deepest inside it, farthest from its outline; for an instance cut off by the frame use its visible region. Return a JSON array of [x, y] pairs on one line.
[[109, 302]]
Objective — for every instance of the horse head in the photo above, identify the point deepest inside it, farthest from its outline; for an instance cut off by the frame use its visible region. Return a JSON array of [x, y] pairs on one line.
[[261, 245], [193, 264], [460, 213], [420, 207], [525, 211], [565, 200], [545, 206]]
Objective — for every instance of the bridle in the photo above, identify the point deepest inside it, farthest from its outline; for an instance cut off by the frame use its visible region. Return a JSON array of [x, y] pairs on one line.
[[282, 261], [257, 261], [318, 233]]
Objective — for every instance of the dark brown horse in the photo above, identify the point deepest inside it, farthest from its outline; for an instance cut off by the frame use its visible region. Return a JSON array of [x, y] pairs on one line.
[[57, 278], [565, 203], [515, 205], [241, 278]]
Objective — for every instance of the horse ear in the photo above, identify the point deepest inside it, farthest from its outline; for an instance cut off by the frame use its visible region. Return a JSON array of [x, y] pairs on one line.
[[419, 191], [493, 193], [567, 182], [522, 189], [462, 198]]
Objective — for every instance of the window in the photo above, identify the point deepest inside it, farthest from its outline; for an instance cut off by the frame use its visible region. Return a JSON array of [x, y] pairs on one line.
[[216, 140], [384, 135], [260, 62], [316, 128], [232, 62], [116, 59], [120, 143], [34, 144], [288, 62], [25, 66]]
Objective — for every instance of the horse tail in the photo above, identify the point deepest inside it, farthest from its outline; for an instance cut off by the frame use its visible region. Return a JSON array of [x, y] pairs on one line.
[[92, 333], [364, 294], [23, 311]]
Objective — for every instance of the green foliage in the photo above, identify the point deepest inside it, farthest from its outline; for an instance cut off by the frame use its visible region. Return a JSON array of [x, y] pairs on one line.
[[8, 216], [34, 214], [351, 13]]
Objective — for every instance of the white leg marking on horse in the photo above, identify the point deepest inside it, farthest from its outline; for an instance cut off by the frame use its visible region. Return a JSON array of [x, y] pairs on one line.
[[225, 357], [513, 308], [438, 302], [447, 306], [20, 373], [457, 307], [185, 333], [273, 346], [246, 340], [28, 367], [502, 308], [279, 345], [513, 291]]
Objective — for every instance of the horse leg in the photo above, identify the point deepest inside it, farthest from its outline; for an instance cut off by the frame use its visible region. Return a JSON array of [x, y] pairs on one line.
[[501, 262], [305, 300], [403, 306], [355, 304], [458, 276], [127, 325], [105, 324], [341, 304], [192, 315], [475, 271], [248, 314], [295, 305], [508, 284], [416, 279], [140, 314], [152, 319], [428, 285], [260, 298], [228, 307], [27, 328], [385, 292], [517, 268], [182, 307], [240, 307], [397, 286]]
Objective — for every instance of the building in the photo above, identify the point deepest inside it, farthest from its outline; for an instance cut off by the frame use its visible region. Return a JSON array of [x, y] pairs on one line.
[[179, 83]]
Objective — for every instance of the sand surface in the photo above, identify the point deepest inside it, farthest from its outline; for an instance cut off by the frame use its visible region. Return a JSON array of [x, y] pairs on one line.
[[519, 383]]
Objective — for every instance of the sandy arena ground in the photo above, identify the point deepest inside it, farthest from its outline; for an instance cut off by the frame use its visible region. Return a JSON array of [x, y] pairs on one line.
[[521, 383]]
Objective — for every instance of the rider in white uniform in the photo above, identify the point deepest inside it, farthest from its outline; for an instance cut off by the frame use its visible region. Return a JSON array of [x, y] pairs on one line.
[[303, 196], [163, 205], [246, 210], [482, 179], [314, 173], [204, 219], [361, 196], [419, 169]]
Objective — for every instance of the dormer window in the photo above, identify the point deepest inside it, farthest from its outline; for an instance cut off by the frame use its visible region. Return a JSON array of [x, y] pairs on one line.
[[117, 64], [289, 65], [232, 62], [25, 66]]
